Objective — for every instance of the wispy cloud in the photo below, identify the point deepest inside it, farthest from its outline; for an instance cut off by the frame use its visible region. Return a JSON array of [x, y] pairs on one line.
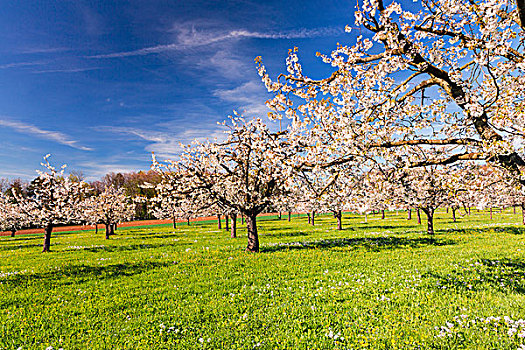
[[247, 98], [191, 37], [55, 136], [168, 144], [66, 70], [22, 64]]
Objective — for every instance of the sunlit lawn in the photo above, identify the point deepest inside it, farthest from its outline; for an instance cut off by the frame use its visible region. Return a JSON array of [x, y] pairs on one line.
[[383, 284]]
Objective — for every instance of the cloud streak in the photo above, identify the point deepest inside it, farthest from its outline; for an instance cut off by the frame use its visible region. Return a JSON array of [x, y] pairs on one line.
[[55, 136], [167, 144], [193, 38]]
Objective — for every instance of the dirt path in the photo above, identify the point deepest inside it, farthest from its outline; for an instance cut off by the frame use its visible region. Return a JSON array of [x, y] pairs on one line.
[[124, 224]]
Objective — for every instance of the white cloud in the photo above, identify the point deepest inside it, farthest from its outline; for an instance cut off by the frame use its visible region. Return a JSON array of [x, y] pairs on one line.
[[190, 37], [55, 136], [167, 143], [248, 98], [21, 64], [66, 70]]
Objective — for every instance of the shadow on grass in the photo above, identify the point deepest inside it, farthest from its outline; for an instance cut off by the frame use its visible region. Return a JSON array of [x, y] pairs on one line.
[[8, 247], [372, 244], [75, 274], [281, 232], [504, 275], [507, 229], [127, 247]]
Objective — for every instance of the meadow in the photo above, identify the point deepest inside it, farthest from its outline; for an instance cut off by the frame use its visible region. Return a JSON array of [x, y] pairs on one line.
[[380, 284]]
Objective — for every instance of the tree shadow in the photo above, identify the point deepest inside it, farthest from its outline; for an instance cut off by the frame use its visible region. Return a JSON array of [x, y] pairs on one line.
[[504, 275], [18, 246], [507, 229], [282, 233], [75, 274], [369, 243], [128, 247]]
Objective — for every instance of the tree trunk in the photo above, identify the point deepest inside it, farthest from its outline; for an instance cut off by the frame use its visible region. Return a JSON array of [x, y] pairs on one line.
[[174, 222], [366, 217], [523, 213], [468, 210], [108, 230], [234, 226], [226, 218], [514, 207], [13, 231], [447, 210], [309, 218], [430, 220], [219, 225], [188, 220], [313, 218], [339, 216], [289, 216], [280, 215], [96, 229], [418, 216], [114, 228], [47, 238], [490, 213], [383, 214], [409, 214], [453, 214], [242, 219], [253, 237]]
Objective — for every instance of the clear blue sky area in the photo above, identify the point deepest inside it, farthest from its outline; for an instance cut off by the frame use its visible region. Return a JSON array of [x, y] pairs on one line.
[[102, 84]]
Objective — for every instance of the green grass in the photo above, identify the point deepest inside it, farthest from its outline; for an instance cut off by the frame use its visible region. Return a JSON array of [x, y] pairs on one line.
[[383, 284]]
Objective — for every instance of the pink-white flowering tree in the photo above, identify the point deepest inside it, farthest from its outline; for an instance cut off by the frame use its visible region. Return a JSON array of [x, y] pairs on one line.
[[171, 200], [445, 73], [109, 207], [12, 216], [242, 174], [55, 199]]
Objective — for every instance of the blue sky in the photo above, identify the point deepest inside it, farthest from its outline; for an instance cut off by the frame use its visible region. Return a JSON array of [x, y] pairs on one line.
[[102, 84]]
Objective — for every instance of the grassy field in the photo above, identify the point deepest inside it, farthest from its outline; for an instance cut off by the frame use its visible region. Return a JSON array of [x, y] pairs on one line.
[[383, 284]]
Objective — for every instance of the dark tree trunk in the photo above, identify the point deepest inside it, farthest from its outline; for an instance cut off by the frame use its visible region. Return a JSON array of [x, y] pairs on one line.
[[468, 210], [219, 225], [96, 229], [188, 220], [13, 231], [47, 238], [447, 210], [227, 225], [430, 220], [109, 229], [339, 217], [409, 217], [309, 218], [289, 216], [383, 214], [242, 219], [115, 227], [523, 213], [514, 207], [174, 222], [280, 215], [253, 237], [418, 216], [490, 213], [234, 226], [313, 218], [453, 214]]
